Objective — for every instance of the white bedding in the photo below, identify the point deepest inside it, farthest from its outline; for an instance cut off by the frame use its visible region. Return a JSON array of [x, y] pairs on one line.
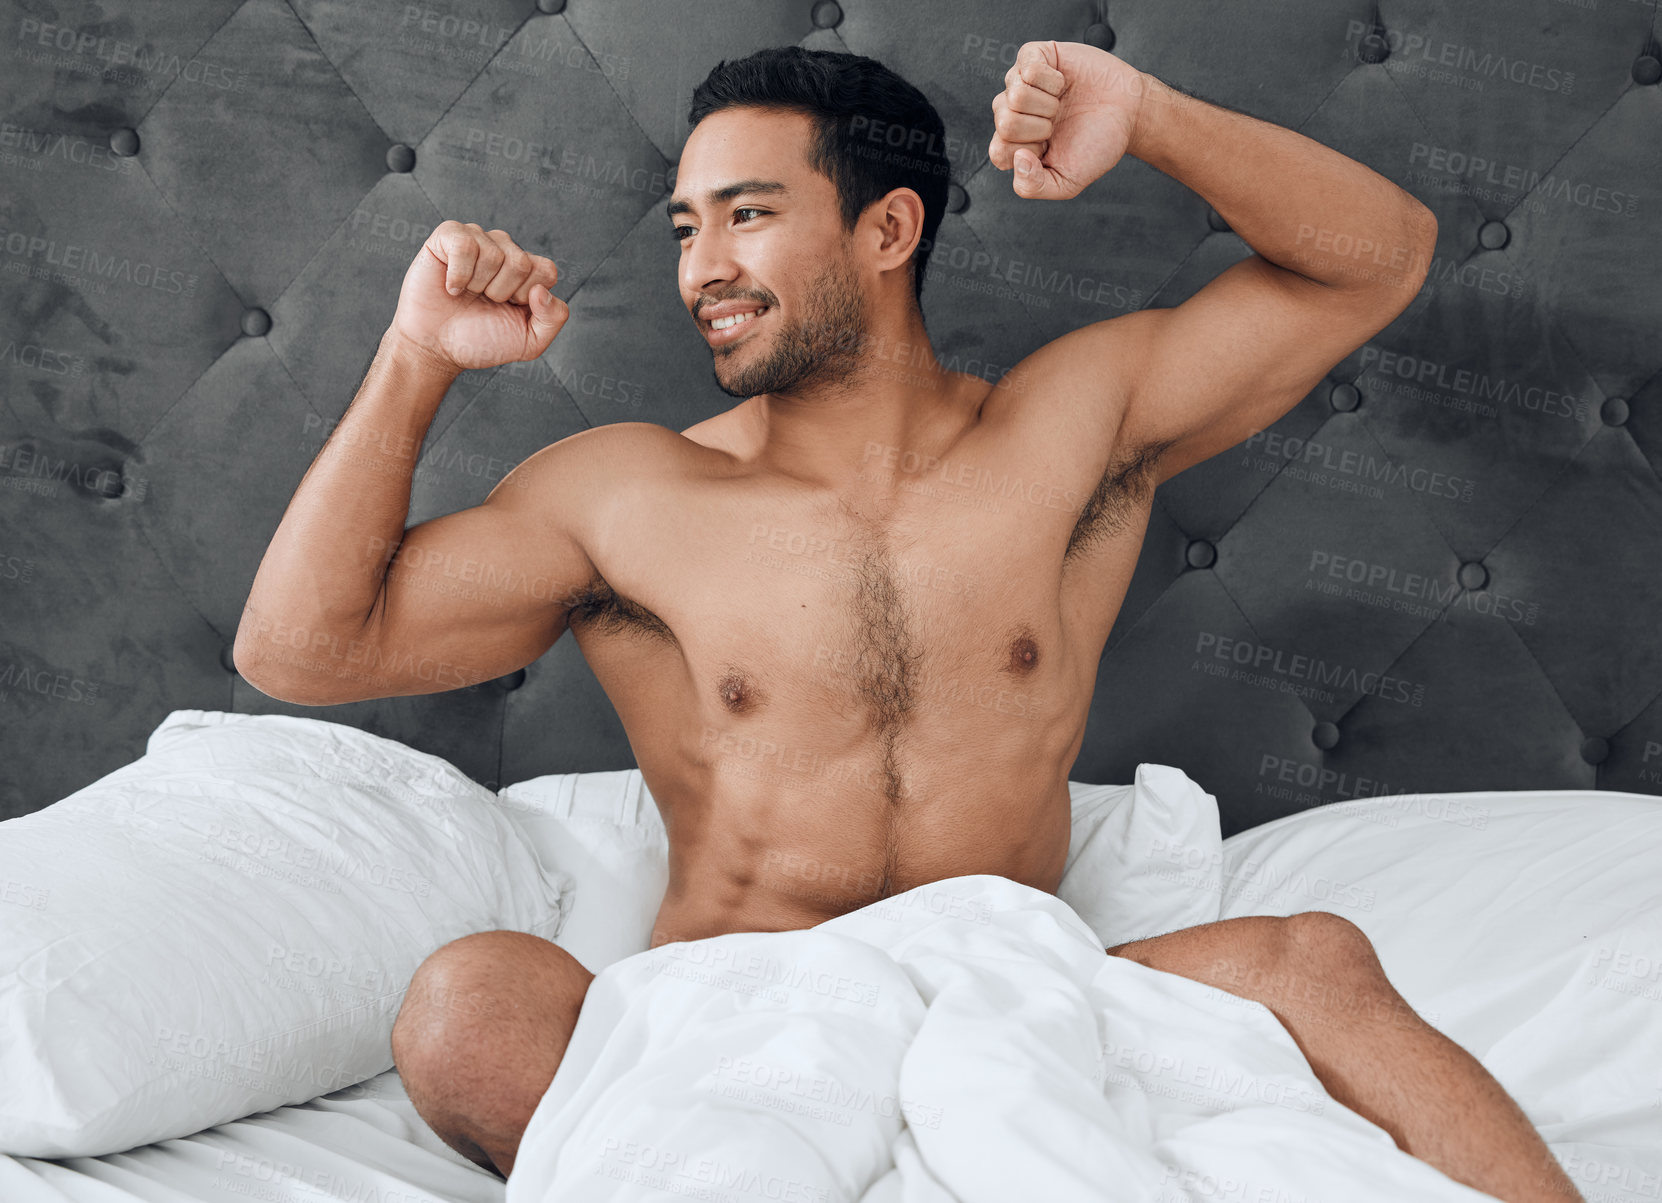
[[1529, 926], [1026, 1063], [364, 1144]]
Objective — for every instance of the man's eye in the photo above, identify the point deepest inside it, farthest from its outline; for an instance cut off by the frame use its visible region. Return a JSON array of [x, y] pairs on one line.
[[679, 233]]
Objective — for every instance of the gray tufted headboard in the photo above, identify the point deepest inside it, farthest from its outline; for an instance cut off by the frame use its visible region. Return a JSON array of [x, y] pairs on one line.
[[1440, 572]]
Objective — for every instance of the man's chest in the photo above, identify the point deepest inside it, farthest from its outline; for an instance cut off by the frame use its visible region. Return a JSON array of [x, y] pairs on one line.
[[954, 589]]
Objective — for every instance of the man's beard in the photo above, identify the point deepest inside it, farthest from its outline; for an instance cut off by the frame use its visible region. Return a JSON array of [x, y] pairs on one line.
[[821, 348]]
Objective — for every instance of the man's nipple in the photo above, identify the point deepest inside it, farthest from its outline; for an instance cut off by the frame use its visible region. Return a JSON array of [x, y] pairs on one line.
[[1024, 655], [735, 692]]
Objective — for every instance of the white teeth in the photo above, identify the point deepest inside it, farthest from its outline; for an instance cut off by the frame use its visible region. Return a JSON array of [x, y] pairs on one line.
[[722, 323]]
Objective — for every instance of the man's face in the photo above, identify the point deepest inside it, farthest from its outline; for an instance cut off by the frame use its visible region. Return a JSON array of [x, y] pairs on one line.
[[761, 234]]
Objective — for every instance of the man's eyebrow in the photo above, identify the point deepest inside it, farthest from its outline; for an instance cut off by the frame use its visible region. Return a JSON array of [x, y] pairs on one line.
[[720, 196]]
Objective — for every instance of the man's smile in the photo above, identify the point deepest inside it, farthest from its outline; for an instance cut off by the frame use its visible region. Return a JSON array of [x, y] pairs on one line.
[[729, 320]]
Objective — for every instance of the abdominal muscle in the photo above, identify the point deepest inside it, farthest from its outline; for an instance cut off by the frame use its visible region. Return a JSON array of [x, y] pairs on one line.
[[756, 856]]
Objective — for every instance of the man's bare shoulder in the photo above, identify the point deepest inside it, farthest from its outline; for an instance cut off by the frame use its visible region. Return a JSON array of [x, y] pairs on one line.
[[1066, 401], [596, 483], [1089, 369], [583, 481], [617, 453]]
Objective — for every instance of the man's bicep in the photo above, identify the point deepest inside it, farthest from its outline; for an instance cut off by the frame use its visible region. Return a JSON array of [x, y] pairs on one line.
[[1207, 374], [473, 595]]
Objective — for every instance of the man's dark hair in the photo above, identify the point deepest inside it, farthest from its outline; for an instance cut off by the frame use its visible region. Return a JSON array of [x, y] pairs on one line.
[[874, 132]]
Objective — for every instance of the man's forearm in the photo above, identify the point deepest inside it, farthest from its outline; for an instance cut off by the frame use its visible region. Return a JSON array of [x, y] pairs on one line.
[[326, 563], [1299, 204]]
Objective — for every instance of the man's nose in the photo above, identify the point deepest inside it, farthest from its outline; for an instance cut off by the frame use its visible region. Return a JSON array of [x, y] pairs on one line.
[[707, 265]]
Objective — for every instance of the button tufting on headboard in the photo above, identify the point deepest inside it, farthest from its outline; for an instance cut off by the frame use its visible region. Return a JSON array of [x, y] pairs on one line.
[[1451, 549]]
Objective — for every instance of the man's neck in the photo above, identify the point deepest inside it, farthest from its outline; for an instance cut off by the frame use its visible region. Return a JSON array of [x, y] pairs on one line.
[[856, 430]]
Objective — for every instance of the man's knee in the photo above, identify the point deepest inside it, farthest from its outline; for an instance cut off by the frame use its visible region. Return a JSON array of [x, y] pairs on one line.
[[1328, 940], [450, 998], [1323, 963], [1307, 955]]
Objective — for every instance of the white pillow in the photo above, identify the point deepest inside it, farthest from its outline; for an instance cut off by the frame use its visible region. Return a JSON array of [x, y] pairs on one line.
[[604, 831], [1142, 858], [228, 924], [1526, 925]]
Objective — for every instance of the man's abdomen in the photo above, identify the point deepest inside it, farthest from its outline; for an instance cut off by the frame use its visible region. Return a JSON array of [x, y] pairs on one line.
[[762, 856]]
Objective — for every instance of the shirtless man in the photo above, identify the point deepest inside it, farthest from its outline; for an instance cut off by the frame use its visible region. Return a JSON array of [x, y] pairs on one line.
[[826, 634]]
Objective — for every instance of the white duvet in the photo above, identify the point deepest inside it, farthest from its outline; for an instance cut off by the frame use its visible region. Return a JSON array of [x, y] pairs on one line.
[[968, 1040]]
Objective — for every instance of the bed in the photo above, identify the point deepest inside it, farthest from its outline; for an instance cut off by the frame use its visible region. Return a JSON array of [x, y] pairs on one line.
[[1527, 925]]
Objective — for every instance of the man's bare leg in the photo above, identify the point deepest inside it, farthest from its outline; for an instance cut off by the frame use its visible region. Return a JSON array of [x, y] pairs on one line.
[[482, 1029], [1317, 973]]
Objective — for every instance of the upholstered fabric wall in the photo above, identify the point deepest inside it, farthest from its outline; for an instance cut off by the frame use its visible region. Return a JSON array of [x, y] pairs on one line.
[[1439, 572]]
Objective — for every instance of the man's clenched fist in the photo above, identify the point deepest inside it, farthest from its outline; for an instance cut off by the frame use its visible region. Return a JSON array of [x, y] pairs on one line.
[[1065, 117], [473, 299]]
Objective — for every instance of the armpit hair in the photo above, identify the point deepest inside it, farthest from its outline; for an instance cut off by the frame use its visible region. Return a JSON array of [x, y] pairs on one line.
[[598, 603], [1125, 481]]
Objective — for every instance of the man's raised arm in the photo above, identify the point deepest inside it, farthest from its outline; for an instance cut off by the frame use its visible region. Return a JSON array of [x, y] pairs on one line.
[[348, 605], [1340, 251]]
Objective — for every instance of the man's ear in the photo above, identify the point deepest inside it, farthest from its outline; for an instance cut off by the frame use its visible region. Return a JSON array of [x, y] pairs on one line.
[[897, 225]]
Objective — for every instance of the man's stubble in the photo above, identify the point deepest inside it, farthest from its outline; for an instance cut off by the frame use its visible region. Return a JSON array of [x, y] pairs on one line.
[[822, 348]]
